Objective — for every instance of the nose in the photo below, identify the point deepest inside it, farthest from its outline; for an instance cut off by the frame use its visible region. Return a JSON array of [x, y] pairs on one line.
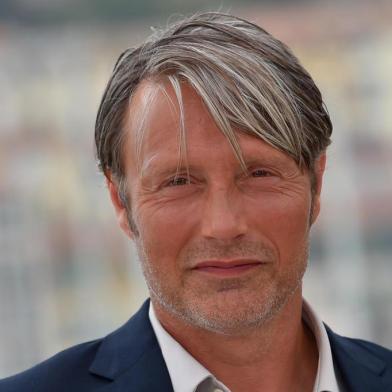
[[223, 215]]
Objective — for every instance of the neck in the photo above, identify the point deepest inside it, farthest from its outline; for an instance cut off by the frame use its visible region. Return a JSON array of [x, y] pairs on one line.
[[279, 355]]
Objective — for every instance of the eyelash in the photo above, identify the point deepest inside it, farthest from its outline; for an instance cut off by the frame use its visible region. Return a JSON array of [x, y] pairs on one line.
[[265, 173], [174, 181]]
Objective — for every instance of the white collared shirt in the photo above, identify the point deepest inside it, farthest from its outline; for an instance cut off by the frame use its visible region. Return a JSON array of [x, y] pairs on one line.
[[188, 375]]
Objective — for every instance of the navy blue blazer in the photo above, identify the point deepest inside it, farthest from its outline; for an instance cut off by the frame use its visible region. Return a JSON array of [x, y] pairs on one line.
[[130, 360]]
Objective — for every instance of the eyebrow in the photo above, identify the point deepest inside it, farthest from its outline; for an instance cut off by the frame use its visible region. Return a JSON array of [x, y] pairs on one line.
[[149, 167], [276, 161]]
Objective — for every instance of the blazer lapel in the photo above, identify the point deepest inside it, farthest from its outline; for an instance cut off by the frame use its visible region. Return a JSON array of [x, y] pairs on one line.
[[361, 370], [132, 359]]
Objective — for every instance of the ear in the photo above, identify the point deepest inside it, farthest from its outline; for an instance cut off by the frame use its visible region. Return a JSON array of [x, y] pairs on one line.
[[319, 168], [120, 209]]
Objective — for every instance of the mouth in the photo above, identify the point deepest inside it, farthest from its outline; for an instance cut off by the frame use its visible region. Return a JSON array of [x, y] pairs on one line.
[[227, 268]]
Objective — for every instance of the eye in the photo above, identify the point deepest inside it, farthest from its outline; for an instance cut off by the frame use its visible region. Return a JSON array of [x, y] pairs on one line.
[[260, 173], [177, 181]]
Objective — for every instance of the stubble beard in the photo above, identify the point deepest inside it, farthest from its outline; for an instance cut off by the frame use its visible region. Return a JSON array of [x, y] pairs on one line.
[[235, 312]]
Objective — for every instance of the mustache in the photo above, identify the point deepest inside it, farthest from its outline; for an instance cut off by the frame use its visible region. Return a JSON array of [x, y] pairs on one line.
[[222, 249]]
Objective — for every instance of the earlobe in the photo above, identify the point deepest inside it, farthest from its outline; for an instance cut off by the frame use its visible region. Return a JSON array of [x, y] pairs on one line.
[[120, 209]]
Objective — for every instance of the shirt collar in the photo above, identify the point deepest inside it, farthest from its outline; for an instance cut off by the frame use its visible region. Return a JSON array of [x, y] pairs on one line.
[[326, 379], [187, 373]]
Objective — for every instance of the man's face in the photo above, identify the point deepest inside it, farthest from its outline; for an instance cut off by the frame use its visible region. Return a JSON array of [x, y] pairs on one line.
[[220, 248]]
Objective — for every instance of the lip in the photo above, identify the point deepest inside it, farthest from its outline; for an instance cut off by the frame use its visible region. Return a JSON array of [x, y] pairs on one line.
[[227, 268]]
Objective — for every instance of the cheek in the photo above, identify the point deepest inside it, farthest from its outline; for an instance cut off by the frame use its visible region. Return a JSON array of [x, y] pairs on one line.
[[284, 221], [164, 229]]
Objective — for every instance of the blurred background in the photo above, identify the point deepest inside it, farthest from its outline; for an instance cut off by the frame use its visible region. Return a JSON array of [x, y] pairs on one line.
[[67, 273]]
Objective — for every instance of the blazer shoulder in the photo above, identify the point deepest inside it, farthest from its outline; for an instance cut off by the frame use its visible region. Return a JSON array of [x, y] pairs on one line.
[[131, 350], [358, 351], [353, 343], [57, 373], [373, 348]]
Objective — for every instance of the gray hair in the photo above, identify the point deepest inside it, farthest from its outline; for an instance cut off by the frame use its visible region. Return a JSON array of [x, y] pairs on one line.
[[248, 80]]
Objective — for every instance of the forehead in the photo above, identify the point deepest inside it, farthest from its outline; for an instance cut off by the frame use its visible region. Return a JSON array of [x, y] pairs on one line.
[[153, 125], [155, 111]]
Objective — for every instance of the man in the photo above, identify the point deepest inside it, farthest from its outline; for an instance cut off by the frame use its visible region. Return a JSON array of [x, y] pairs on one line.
[[213, 138]]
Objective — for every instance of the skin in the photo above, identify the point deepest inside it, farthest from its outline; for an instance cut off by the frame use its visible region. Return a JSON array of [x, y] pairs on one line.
[[243, 323]]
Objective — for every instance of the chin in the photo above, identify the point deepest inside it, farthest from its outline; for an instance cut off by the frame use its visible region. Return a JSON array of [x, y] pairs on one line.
[[232, 312]]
